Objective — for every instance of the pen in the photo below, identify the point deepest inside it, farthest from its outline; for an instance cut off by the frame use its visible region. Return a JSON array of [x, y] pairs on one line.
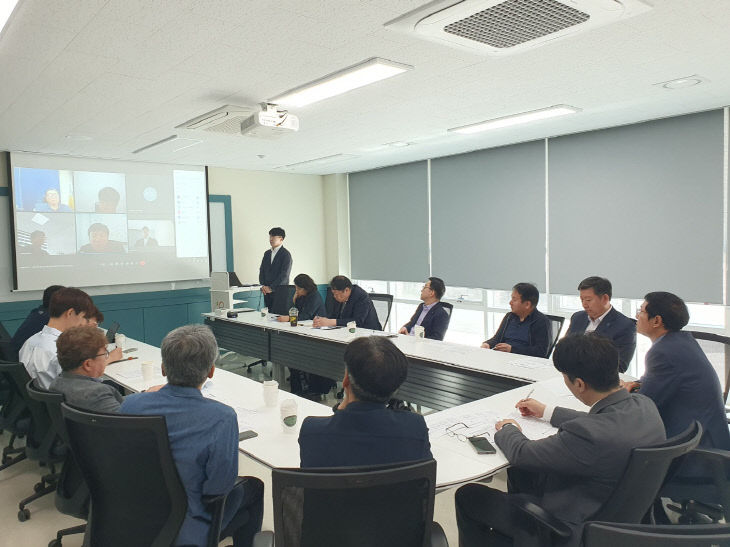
[[529, 394]]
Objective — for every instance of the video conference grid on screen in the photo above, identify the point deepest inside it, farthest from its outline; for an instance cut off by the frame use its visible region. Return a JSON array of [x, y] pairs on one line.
[[87, 227]]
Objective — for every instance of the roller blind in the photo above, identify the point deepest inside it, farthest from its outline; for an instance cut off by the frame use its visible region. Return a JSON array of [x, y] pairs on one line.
[[389, 223], [642, 205], [488, 217]]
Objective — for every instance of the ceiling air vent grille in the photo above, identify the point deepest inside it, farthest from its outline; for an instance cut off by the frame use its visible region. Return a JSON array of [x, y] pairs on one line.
[[515, 22]]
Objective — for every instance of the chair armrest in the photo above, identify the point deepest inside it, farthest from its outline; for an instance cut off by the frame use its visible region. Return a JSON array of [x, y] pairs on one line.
[[215, 503], [263, 539], [537, 514], [438, 537]]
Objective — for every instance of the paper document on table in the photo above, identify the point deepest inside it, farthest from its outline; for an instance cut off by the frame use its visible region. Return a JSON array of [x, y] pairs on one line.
[[533, 428], [478, 423], [247, 419], [130, 374], [531, 363]]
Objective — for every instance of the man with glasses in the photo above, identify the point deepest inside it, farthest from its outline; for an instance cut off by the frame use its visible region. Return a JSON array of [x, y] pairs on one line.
[[678, 376], [351, 303], [83, 357], [430, 314], [573, 472]]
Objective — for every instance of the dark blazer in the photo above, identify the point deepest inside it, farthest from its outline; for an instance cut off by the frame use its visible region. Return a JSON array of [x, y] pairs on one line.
[[358, 308], [435, 323], [310, 306], [582, 463], [681, 381], [539, 334], [33, 324], [273, 274], [616, 327], [363, 434]]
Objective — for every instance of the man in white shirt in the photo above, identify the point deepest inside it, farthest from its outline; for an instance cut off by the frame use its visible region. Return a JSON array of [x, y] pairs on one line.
[[600, 317], [68, 308]]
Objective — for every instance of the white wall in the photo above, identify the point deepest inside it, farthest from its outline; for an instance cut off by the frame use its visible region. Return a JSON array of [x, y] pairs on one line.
[[261, 200]]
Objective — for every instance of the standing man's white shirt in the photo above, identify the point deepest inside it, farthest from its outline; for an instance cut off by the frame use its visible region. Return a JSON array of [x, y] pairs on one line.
[[274, 250], [38, 354], [593, 323]]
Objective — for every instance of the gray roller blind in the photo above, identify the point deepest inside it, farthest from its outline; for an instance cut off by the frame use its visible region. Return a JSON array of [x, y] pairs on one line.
[[488, 217], [389, 223], [641, 205]]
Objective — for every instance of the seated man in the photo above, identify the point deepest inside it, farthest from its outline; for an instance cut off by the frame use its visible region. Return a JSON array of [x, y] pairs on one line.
[[36, 320], [363, 431], [601, 317], [83, 356], [430, 315], [68, 308], [678, 377], [572, 473], [203, 438], [525, 330], [352, 303]]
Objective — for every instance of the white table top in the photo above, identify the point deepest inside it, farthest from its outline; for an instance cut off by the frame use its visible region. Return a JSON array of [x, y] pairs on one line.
[[530, 369]]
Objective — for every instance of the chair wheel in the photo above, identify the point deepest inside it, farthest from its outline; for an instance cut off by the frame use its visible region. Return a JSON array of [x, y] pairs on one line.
[[23, 515], [54, 543]]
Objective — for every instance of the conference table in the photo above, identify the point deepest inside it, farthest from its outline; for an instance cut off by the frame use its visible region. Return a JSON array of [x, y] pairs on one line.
[[441, 375], [457, 462]]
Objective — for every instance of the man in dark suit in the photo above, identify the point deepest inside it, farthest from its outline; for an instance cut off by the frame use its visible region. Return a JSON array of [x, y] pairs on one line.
[[275, 266], [572, 473], [352, 303], [363, 431], [525, 330], [678, 376], [601, 317], [430, 315]]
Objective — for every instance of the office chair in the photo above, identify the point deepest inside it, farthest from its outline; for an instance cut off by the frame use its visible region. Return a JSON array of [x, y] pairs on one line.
[[632, 496], [137, 497], [383, 303], [283, 299], [449, 310], [609, 534], [14, 417], [556, 325], [717, 350], [72, 494], [41, 441], [7, 352], [386, 505]]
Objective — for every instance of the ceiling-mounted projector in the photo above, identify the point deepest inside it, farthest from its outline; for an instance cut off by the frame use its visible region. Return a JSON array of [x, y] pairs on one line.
[[270, 123]]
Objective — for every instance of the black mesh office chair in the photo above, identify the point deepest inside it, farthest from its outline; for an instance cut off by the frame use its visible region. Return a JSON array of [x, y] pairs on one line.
[[634, 493], [14, 416], [41, 442], [7, 352], [387, 506], [283, 299], [608, 534], [556, 325], [717, 350], [383, 303], [449, 310], [72, 494], [137, 497]]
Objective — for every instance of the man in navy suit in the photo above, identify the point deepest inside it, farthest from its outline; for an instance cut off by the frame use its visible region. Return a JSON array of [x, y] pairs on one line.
[[601, 317], [431, 314], [363, 431], [352, 303], [275, 266], [678, 376]]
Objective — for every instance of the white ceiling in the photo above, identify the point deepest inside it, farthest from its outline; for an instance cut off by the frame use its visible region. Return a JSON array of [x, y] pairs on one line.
[[126, 72]]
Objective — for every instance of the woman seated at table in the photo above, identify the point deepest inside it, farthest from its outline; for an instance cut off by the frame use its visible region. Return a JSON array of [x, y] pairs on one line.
[[309, 303]]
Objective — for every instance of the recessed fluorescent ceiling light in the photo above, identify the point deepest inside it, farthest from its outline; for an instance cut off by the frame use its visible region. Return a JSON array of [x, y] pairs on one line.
[[516, 119], [323, 160], [681, 83], [6, 9], [342, 81]]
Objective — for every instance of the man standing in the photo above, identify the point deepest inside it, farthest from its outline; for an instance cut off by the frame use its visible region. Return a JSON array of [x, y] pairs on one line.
[[601, 317], [275, 266], [525, 329], [572, 473], [678, 377], [203, 439], [363, 431], [430, 315], [352, 303]]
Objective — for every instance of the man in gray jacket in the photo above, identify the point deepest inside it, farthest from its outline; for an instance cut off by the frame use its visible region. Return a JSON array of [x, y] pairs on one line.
[[572, 473]]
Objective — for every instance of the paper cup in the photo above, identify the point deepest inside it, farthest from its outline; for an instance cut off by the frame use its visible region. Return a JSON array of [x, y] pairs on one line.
[[264, 312], [419, 331], [271, 392], [351, 326], [148, 371], [288, 410], [120, 340]]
